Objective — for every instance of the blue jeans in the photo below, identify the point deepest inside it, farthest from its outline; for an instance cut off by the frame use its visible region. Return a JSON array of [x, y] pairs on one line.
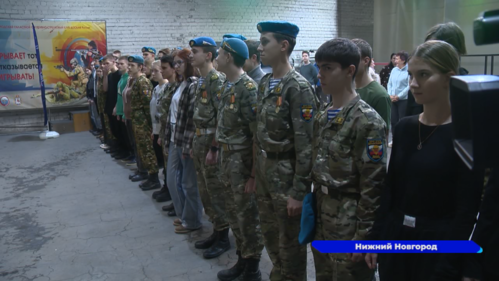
[[182, 183]]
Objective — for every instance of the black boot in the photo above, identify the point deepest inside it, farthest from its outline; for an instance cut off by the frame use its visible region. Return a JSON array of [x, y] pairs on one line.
[[208, 242], [155, 194], [164, 197], [151, 183], [233, 272], [221, 246], [139, 177], [252, 272]]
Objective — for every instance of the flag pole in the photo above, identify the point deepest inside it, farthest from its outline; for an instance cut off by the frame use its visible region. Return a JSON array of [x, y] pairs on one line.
[[46, 134]]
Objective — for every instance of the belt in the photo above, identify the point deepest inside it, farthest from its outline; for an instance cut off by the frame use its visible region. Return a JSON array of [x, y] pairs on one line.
[[414, 222], [232, 147], [279, 155], [208, 131], [336, 193]]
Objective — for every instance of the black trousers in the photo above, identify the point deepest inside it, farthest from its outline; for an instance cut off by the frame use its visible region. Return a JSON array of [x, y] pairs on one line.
[[398, 111], [114, 126], [158, 150], [125, 138]]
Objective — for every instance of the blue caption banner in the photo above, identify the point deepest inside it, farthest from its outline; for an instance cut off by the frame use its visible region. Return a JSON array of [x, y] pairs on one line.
[[397, 246]]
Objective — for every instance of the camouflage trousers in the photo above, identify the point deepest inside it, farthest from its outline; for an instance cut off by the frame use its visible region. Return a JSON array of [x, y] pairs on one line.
[[274, 178], [336, 220], [142, 129], [241, 208], [107, 128], [210, 188]]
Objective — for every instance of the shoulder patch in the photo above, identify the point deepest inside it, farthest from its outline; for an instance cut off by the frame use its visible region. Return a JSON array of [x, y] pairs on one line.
[[250, 86], [375, 149], [307, 112], [214, 77]]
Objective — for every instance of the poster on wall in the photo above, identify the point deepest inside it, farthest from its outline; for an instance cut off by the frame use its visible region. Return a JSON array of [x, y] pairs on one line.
[[67, 49]]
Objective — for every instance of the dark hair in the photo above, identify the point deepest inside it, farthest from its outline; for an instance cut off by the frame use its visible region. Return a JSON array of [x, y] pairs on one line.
[[281, 37], [123, 58], [212, 50], [365, 49], [253, 48], [403, 56], [340, 50], [116, 51], [390, 65], [168, 59], [189, 69], [92, 43], [165, 51], [448, 32], [238, 60], [305, 52], [109, 57]]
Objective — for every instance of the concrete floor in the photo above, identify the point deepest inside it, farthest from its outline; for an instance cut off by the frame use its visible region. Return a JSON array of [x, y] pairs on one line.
[[69, 212]]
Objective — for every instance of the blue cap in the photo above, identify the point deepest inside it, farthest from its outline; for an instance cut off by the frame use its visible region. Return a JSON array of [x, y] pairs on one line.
[[101, 59], [233, 35], [202, 42], [277, 26], [136, 58], [149, 50], [236, 46]]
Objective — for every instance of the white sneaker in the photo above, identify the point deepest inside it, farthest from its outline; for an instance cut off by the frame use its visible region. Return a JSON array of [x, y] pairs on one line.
[[104, 146]]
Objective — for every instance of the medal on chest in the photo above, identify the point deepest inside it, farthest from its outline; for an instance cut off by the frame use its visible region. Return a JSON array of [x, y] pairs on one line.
[[278, 104], [232, 101]]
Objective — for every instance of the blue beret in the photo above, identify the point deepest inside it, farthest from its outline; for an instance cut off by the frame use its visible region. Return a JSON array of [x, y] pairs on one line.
[[232, 35], [281, 27], [149, 49], [236, 46], [136, 58], [202, 42]]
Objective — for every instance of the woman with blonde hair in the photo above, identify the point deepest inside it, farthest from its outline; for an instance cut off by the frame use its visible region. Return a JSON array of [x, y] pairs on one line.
[[429, 193]]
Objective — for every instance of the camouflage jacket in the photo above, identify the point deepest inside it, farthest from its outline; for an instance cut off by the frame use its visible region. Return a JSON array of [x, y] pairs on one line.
[[237, 112], [351, 158], [101, 95], [285, 123], [140, 98], [164, 102], [206, 104], [77, 71]]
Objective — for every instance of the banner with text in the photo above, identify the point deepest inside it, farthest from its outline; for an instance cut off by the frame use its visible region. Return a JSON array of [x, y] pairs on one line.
[[67, 50]]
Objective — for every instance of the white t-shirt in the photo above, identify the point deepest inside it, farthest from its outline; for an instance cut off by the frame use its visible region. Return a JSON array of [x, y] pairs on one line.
[[174, 108]]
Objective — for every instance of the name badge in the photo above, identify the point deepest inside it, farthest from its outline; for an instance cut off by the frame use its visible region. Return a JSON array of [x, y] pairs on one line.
[[410, 221]]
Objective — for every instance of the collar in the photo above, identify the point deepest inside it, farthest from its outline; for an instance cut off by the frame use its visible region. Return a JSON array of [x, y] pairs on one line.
[[340, 118]]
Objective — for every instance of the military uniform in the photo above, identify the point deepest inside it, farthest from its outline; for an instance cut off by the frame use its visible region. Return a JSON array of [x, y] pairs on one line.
[[80, 82], [236, 125], [284, 135], [205, 120], [141, 121], [101, 103], [347, 175]]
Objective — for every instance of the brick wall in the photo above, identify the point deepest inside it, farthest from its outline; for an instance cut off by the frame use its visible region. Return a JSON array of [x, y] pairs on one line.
[[356, 19], [171, 23]]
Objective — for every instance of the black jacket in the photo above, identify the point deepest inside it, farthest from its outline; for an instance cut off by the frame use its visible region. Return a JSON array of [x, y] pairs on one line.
[[90, 86]]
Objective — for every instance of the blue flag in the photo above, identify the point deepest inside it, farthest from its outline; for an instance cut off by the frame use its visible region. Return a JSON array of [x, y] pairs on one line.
[[40, 75]]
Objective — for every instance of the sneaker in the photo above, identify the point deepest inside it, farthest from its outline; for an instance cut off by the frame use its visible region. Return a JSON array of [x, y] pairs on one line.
[[177, 222], [390, 144], [104, 146], [131, 163], [182, 230]]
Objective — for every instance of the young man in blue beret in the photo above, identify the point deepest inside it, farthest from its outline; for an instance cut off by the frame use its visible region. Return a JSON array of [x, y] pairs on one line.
[[149, 54], [286, 108], [204, 51], [141, 92], [235, 134], [233, 35]]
